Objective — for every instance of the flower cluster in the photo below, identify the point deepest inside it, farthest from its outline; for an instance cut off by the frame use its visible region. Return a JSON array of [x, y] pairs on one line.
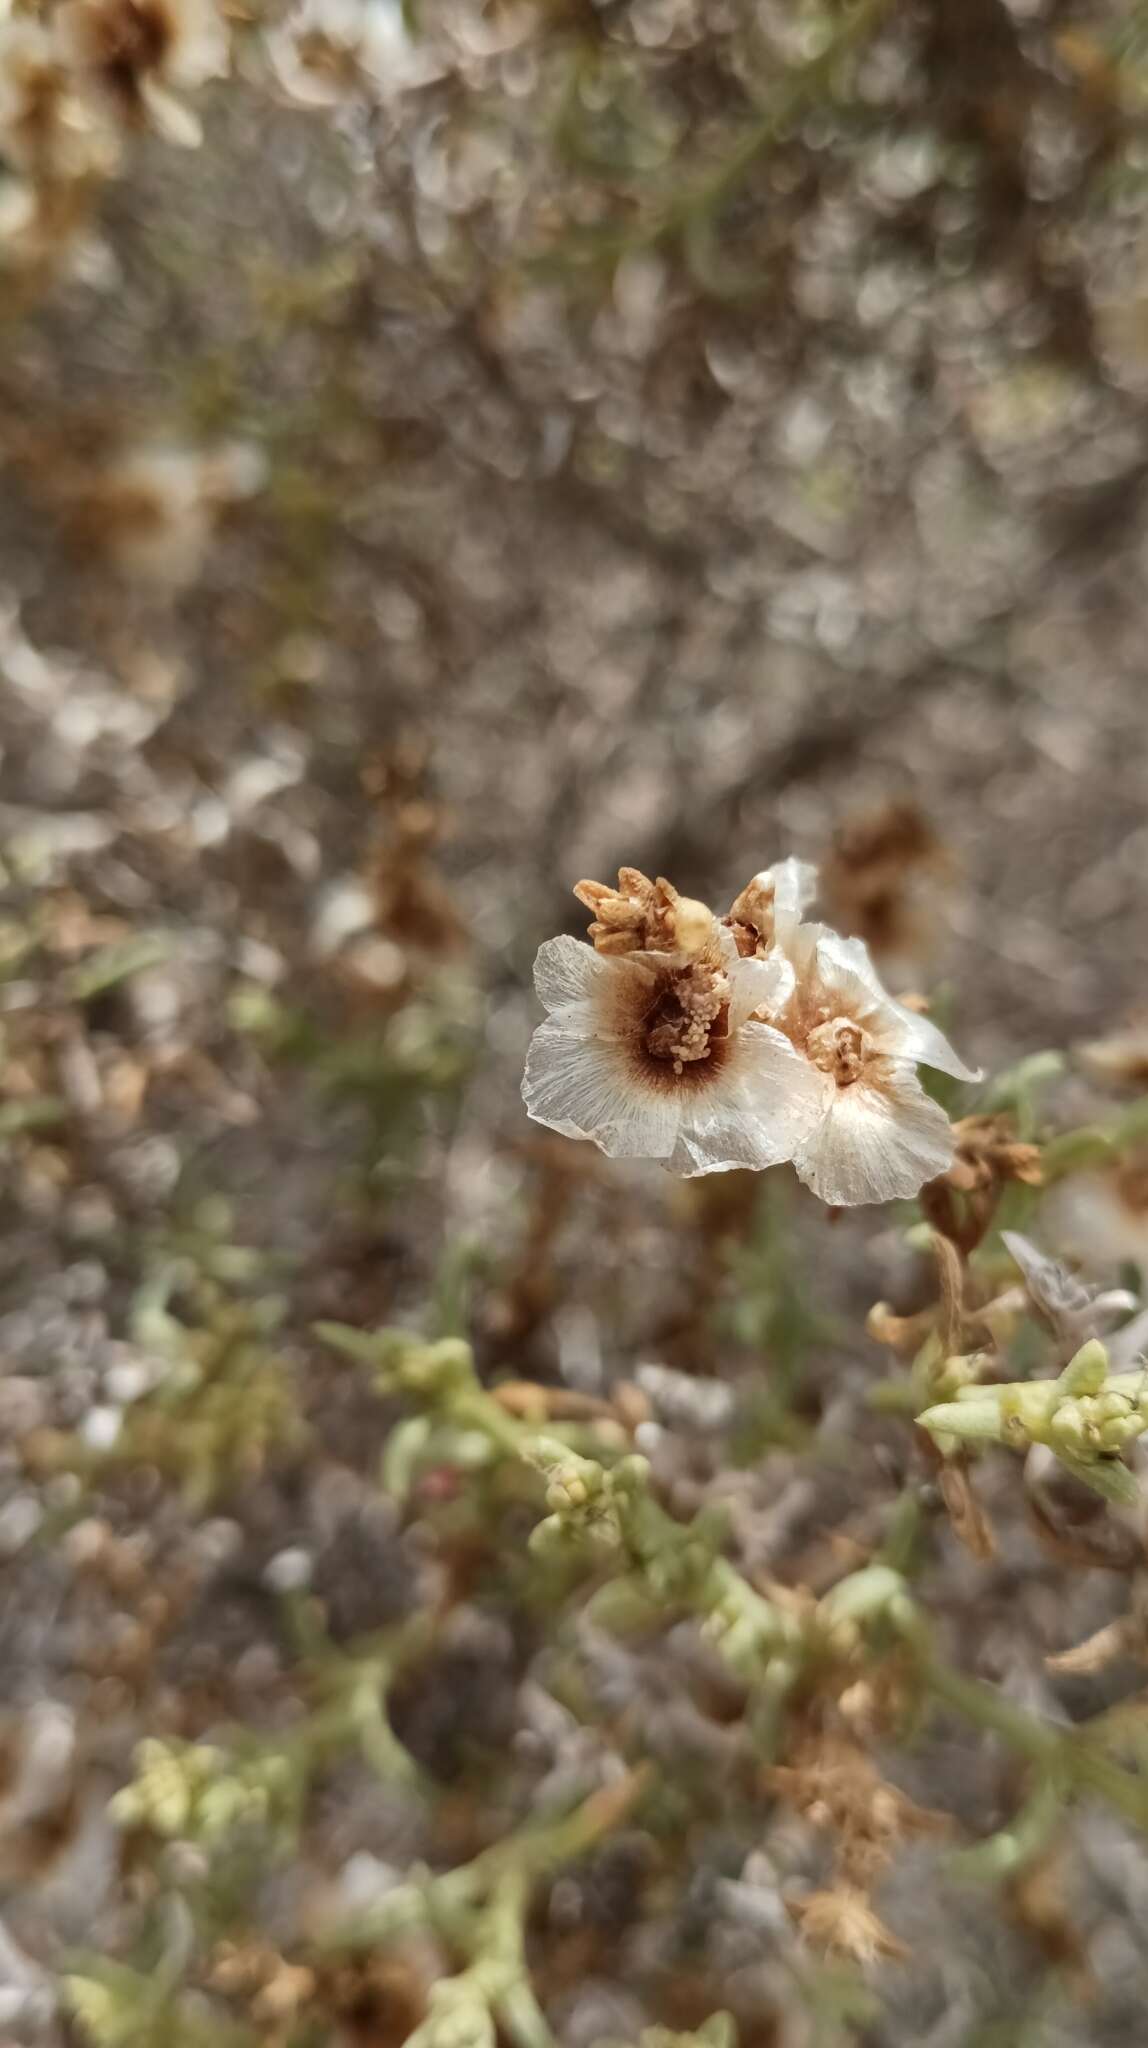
[[1088, 1416], [327, 51], [152, 510], [745, 1041], [75, 81]]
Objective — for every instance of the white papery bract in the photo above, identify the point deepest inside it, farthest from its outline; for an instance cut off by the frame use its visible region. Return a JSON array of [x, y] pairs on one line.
[[591, 1073], [877, 1136], [766, 1040]]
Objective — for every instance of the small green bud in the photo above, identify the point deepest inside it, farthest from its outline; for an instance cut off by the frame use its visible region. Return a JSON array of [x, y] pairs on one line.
[[402, 1452], [623, 1606], [438, 1369], [863, 1595], [1069, 1429], [1087, 1371], [98, 2010], [459, 2017], [632, 1475], [968, 1421], [569, 1489], [743, 1635]]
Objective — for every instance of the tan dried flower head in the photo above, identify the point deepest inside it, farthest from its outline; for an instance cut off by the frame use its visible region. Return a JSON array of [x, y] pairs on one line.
[[880, 881], [49, 131], [141, 54], [1121, 1057], [837, 1786], [843, 1921], [989, 1154], [641, 916], [961, 1205]]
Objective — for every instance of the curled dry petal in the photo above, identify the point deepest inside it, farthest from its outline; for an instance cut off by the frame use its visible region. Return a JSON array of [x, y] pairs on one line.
[[845, 965], [771, 906], [875, 1144]]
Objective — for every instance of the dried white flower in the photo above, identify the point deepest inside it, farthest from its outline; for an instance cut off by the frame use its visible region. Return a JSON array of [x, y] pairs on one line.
[[875, 1135], [761, 1040], [143, 54], [154, 509], [330, 50], [49, 131], [652, 1054]]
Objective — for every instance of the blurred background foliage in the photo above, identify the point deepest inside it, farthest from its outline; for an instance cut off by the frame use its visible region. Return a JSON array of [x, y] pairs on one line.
[[517, 439]]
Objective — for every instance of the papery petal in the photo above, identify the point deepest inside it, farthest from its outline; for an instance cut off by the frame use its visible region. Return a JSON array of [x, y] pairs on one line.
[[566, 973], [170, 118], [200, 46], [762, 986], [587, 1088], [591, 994], [899, 1032], [794, 888], [924, 1042], [391, 54], [304, 83], [762, 1104], [876, 1144]]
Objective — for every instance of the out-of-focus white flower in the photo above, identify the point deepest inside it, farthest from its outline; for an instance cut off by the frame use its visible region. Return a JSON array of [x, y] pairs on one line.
[[55, 146], [19, 240], [153, 511], [143, 54], [331, 50], [876, 1136], [653, 1055], [57, 1840], [1121, 1057], [49, 131], [1101, 1219]]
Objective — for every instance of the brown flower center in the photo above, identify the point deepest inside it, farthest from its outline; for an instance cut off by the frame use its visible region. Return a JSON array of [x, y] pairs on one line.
[[839, 1047], [690, 1011], [327, 58], [130, 40]]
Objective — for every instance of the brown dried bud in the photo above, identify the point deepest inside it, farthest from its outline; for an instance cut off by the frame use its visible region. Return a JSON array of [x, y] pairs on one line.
[[644, 916]]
